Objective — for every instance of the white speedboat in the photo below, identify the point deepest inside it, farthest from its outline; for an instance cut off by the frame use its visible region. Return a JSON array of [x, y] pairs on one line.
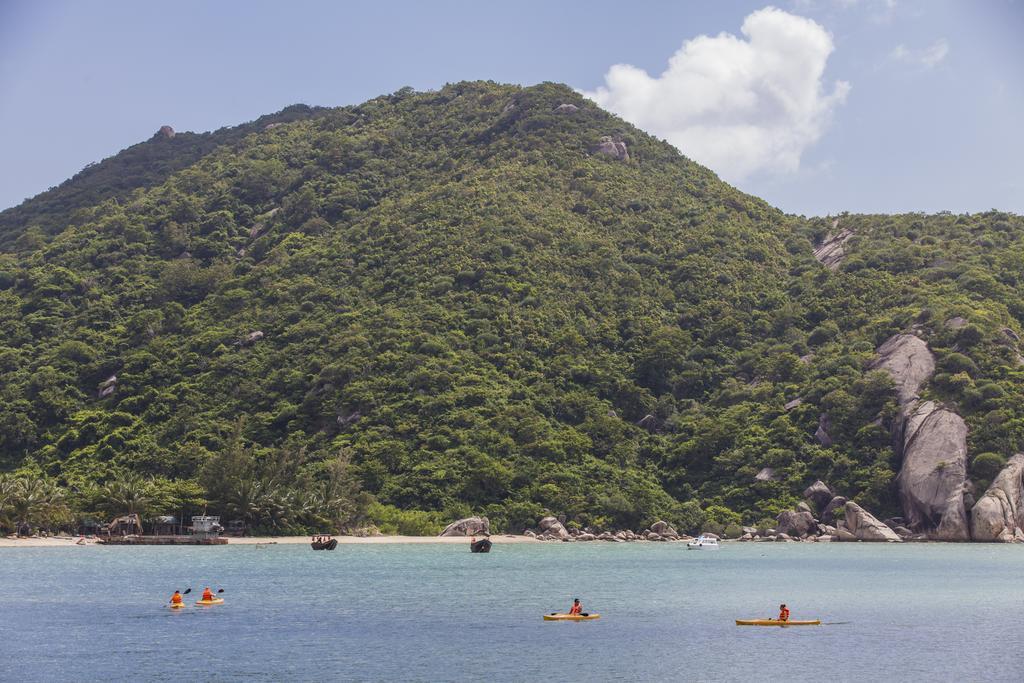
[[703, 543]]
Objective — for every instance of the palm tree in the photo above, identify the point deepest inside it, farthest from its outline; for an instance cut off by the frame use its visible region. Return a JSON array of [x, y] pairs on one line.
[[127, 495]]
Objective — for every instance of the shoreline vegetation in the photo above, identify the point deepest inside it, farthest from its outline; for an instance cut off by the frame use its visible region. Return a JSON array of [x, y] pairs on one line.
[[65, 541]]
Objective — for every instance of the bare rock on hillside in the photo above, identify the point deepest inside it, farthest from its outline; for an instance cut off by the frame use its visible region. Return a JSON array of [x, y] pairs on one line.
[[999, 514], [165, 132], [822, 433], [566, 108], [865, 527], [792, 404], [909, 361], [934, 472], [470, 526], [830, 251], [956, 323], [612, 147], [766, 474]]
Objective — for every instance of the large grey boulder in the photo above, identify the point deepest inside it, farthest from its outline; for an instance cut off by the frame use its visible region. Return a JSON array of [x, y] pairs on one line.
[[999, 514], [552, 528], [611, 147], [865, 527], [909, 361], [470, 526], [796, 523], [934, 472], [819, 494]]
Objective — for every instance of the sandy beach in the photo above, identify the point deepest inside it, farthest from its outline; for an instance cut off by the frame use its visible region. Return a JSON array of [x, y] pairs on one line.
[[65, 541]]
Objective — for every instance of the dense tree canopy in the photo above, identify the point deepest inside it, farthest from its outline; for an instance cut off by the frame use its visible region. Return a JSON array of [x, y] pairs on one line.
[[439, 303]]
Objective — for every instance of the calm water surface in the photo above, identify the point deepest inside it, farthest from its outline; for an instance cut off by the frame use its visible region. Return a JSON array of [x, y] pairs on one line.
[[438, 613]]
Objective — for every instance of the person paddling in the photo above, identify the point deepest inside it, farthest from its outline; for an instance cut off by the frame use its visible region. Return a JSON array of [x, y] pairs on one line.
[[176, 599], [576, 608], [207, 594], [783, 613]]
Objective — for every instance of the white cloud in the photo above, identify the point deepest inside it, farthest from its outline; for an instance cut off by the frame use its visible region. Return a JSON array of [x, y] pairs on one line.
[[737, 105], [928, 57]]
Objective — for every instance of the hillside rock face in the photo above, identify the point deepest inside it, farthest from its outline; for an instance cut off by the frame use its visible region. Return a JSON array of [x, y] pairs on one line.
[[999, 514], [830, 252], [865, 526], [934, 472], [909, 361]]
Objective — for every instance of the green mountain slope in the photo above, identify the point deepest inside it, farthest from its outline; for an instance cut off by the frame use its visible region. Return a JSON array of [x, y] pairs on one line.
[[456, 302]]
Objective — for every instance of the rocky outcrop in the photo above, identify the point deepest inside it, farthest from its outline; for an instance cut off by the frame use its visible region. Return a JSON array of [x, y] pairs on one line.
[[933, 476], [566, 108], [664, 530], [470, 526], [792, 404], [766, 474], [864, 526], [933, 440], [999, 514], [830, 251], [796, 523], [909, 361], [552, 528], [819, 494], [165, 132], [612, 147]]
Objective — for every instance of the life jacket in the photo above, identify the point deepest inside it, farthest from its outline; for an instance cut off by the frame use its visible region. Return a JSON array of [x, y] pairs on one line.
[[784, 615], [576, 609], [176, 598], [207, 594]]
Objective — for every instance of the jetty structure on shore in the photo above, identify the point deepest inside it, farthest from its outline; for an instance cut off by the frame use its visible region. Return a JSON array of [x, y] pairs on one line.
[[127, 530]]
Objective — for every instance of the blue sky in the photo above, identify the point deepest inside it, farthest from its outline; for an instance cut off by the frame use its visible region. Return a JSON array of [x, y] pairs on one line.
[[819, 106]]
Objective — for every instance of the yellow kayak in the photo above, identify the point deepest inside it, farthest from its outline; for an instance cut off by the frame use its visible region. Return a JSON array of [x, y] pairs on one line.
[[177, 605], [776, 622], [571, 617], [207, 603]]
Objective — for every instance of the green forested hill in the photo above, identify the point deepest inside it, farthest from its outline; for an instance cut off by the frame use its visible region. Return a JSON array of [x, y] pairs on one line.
[[453, 302]]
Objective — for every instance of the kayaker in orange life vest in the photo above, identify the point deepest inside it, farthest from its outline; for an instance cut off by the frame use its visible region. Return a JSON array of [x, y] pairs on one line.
[[783, 613], [176, 599], [207, 594], [576, 608]]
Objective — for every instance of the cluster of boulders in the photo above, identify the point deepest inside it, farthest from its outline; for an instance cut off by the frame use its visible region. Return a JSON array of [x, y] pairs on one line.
[[553, 529], [824, 516]]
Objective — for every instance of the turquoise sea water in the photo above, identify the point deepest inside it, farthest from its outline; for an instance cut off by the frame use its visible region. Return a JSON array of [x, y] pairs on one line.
[[436, 612]]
